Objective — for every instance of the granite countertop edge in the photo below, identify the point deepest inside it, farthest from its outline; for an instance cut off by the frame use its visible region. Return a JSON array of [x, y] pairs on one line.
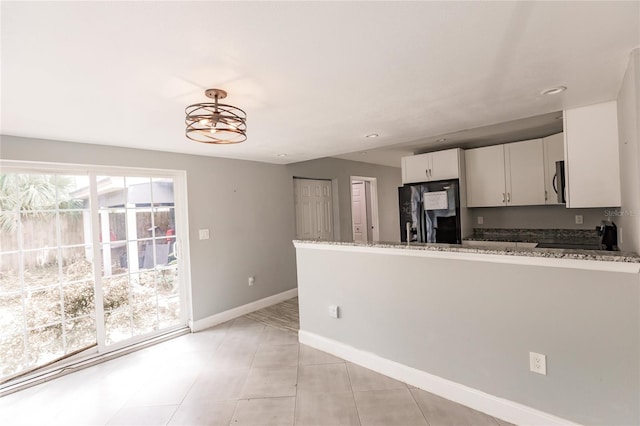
[[596, 255]]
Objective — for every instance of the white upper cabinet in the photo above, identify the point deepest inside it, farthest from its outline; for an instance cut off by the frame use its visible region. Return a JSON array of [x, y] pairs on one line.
[[485, 176], [505, 175], [553, 151], [592, 165], [524, 166], [439, 165]]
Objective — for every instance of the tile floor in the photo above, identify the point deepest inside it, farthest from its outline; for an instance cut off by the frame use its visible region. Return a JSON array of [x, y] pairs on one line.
[[239, 373]]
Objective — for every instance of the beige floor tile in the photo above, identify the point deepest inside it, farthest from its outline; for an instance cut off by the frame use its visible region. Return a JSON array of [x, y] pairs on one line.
[[363, 379], [388, 407], [265, 412], [241, 340], [82, 413], [270, 382], [276, 356], [204, 413], [143, 416], [161, 391], [311, 356], [502, 422], [326, 409], [323, 378], [273, 336], [218, 385], [442, 412], [244, 324], [233, 357]]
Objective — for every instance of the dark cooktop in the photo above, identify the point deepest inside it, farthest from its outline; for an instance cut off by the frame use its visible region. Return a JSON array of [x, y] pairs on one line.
[[572, 246]]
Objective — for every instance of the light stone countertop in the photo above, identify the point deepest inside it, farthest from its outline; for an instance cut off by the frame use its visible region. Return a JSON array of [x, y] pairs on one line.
[[596, 255]]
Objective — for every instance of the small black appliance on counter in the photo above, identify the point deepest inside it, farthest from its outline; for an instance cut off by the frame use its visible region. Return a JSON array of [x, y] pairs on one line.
[[609, 232]]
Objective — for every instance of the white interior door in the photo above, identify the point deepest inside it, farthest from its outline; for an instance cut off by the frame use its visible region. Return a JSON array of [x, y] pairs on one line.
[[359, 211], [314, 209]]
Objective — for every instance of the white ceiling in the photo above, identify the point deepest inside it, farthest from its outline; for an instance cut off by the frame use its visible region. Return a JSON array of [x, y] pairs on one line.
[[313, 77]]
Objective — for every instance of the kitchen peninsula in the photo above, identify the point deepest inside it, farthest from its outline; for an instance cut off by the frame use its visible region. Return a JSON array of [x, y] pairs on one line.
[[461, 322]]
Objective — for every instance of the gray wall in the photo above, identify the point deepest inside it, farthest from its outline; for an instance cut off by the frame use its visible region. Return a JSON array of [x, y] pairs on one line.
[[538, 217], [248, 207], [475, 322], [629, 133], [388, 179]]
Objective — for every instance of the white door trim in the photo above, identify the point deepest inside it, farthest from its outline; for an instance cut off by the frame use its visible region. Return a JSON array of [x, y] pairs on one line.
[[375, 223]]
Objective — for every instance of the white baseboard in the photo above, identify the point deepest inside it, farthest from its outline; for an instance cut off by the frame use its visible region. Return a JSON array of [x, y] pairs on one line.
[[498, 407], [241, 310]]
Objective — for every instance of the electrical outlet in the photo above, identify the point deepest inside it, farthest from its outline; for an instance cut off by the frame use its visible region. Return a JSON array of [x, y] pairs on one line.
[[480, 220], [334, 311], [538, 363], [203, 234], [252, 281], [579, 219]]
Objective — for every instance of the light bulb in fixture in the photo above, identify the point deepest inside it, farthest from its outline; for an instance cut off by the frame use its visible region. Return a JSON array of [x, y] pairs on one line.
[[553, 90]]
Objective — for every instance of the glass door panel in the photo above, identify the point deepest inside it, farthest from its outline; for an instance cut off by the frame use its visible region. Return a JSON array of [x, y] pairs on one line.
[[46, 277], [142, 226], [49, 306]]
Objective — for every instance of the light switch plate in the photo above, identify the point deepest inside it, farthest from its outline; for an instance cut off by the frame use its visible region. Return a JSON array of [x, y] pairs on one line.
[[480, 220], [579, 219], [334, 311], [203, 234]]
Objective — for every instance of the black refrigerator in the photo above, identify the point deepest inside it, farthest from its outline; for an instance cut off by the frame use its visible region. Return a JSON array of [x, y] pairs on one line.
[[430, 212]]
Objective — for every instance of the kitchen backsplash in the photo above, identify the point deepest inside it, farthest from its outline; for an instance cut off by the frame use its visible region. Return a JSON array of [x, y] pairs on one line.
[[540, 217]]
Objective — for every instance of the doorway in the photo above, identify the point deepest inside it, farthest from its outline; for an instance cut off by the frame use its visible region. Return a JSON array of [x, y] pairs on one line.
[[89, 261], [314, 209], [364, 209]]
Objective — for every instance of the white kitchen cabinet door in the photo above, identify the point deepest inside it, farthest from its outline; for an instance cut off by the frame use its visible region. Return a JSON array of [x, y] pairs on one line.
[[445, 164], [592, 163], [439, 165], [485, 176], [416, 168], [525, 173], [553, 147]]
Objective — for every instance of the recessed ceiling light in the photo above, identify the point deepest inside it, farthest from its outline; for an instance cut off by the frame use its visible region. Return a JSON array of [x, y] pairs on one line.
[[282, 155], [553, 90], [441, 140], [372, 135]]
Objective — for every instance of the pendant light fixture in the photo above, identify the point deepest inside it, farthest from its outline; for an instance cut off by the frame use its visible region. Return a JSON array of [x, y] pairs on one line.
[[216, 123]]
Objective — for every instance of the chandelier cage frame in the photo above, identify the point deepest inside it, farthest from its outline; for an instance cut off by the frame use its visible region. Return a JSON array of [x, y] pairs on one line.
[[215, 123]]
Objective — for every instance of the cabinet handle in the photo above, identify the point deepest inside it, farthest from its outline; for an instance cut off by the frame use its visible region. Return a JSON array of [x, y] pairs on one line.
[[545, 195], [504, 197], [430, 173], [426, 172], [508, 197]]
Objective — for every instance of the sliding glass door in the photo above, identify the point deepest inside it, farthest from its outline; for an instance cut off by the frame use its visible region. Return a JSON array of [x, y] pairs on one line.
[[87, 260]]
